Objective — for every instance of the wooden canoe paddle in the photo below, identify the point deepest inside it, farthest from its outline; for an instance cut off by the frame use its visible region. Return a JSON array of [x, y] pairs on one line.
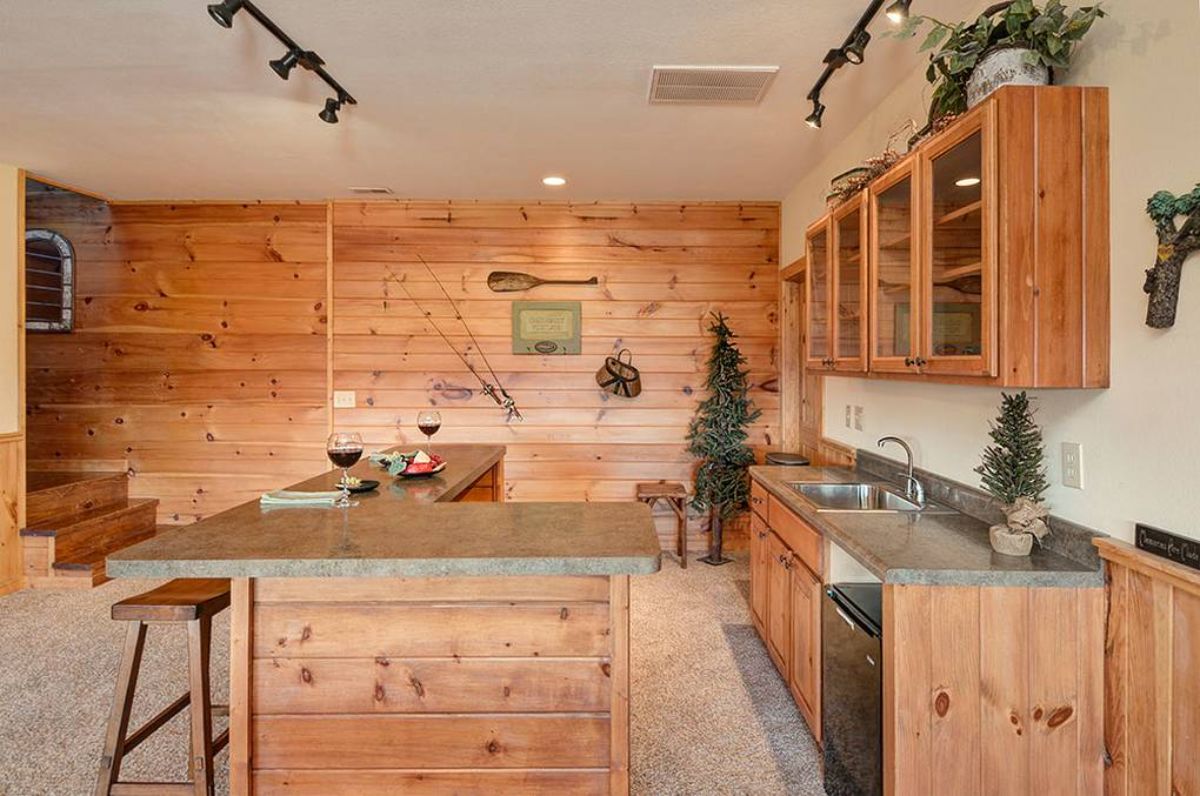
[[515, 281]]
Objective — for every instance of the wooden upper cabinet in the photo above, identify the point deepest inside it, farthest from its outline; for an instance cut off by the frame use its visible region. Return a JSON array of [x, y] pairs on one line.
[[818, 296], [958, 277], [895, 268], [849, 309], [989, 247]]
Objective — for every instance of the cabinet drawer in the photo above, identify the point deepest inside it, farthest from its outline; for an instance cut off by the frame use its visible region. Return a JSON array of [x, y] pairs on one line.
[[796, 534], [758, 498]]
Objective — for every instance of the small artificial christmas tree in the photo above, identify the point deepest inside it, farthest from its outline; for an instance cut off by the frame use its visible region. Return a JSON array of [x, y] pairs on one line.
[[717, 436], [1013, 471]]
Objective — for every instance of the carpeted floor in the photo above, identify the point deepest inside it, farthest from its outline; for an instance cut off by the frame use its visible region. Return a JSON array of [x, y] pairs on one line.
[[710, 715]]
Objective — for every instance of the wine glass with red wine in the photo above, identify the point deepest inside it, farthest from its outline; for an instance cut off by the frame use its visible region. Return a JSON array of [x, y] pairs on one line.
[[344, 450], [429, 422]]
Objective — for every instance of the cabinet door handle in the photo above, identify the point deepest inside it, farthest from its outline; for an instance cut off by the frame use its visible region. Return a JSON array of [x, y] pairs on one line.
[[908, 362], [762, 534], [921, 362]]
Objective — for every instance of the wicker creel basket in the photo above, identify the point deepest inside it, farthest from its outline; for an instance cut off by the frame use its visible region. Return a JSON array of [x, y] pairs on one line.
[[620, 377]]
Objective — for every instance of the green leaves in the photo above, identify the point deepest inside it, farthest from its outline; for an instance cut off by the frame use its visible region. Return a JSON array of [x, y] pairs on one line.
[[1049, 33], [1013, 466], [718, 433]]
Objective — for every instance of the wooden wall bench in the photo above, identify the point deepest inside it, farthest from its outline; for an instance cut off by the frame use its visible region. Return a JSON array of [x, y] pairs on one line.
[[1152, 673]]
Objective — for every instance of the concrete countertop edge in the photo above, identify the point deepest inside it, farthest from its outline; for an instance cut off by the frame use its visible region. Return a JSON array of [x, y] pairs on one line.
[[914, 577], [384, 567]]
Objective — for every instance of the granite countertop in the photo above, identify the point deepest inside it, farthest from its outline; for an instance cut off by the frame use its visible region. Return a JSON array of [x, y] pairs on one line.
[[405, 529], [938, 546]]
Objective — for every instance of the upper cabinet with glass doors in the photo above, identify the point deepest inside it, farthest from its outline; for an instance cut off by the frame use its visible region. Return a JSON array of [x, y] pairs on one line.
[[837, 289], [989, 247]]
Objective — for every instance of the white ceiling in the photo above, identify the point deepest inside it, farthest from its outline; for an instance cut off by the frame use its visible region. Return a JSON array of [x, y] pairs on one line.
[[149, 99]]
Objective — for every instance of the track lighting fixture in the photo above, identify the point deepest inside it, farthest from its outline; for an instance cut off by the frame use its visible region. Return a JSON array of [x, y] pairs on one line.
[[330, 114], [852, 51], [296, 55], [856, 53], [897, 12], [836, 58], [814, 118], [283, 66], [222, 13]]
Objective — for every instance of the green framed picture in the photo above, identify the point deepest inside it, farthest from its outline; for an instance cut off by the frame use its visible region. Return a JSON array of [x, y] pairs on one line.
[[547, 327]]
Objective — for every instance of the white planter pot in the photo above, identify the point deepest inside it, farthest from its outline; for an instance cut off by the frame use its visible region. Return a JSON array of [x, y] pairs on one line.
[[1004, 67]]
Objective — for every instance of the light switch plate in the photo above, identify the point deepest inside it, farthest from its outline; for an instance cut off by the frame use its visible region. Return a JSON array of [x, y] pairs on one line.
[[847, 415], [858, 418], [1072, 465], [344, 399]]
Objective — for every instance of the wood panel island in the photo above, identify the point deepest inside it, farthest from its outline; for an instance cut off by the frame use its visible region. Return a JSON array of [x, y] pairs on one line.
[[420, 642]]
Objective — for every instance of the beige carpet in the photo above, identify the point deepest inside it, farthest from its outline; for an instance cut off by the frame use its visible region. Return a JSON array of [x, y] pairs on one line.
[[710, 715]]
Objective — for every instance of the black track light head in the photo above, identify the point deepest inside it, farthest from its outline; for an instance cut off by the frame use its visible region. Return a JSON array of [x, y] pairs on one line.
[[836, 58], [856, 52], [330, 114], [897, 12], [283, 66], [814, 118], [222, 13]]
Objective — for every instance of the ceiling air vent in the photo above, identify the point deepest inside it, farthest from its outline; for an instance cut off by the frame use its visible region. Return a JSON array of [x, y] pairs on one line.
[[721, 85]]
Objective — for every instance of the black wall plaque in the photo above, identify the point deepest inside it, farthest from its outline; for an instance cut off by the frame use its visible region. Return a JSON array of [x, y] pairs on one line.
[[1175, 548]]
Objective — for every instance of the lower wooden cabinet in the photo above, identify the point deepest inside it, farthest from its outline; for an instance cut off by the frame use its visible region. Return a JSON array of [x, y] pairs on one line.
[[779, 604], [759, 561], [785, 606], [804, 677]]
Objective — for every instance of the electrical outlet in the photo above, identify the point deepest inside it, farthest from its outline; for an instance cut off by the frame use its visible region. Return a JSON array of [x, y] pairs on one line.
[[1072, 465], [847, 415], [858, 418], [344, 399]]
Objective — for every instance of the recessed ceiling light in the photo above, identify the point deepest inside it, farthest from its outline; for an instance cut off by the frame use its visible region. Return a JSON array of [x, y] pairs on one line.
[[967, 182], [554, 182]]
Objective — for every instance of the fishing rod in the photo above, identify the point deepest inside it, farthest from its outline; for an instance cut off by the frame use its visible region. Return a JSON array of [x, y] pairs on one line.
[[508, 403], [484, 386]]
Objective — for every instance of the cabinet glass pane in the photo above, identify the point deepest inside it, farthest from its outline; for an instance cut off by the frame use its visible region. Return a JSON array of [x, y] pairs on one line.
[[894, 286], [818, 317], [849, 286], [957, 253]]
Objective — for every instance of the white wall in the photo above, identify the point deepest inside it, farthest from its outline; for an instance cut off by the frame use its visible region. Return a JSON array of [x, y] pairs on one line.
[[10, 233], [1141, 437]]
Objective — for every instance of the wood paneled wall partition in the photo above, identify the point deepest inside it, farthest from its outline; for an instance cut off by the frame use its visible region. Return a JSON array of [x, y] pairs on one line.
[[1152, 673], [662, 270], [199, 354], [207, 340]]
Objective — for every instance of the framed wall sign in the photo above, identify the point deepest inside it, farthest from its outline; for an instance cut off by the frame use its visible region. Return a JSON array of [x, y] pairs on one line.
[[546, 327]]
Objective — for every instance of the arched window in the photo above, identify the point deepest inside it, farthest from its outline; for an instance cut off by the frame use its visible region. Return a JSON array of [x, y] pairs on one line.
[[49, 281]]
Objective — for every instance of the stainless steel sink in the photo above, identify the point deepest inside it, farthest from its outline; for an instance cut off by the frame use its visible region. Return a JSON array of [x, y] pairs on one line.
[[853, 497]]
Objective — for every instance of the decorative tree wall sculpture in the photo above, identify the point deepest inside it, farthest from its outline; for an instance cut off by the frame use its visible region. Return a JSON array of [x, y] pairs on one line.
[[1175, 245]]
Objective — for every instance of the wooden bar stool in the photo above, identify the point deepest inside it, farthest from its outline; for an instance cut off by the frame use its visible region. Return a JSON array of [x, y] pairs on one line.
[[194, 601], [675, 494]]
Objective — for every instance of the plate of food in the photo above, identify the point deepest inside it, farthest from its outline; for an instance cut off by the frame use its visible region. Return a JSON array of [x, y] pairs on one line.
[[417, 464], [357, 485]]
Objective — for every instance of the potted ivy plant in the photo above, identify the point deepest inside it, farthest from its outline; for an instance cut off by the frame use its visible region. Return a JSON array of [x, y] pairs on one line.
[[1013, 472], [1013, 42]]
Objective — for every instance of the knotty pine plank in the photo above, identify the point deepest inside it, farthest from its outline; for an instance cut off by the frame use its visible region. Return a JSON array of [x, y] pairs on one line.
[[382, 685]]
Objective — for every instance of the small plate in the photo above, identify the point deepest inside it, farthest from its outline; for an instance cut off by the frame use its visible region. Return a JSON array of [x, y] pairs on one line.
[[432, 472], [365, 486]]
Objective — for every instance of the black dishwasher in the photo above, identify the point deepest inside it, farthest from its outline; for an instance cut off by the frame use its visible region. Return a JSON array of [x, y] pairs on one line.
[[852, 688]]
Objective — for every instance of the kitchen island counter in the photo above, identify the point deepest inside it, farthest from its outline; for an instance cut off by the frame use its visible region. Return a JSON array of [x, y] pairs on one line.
[[416, 641]]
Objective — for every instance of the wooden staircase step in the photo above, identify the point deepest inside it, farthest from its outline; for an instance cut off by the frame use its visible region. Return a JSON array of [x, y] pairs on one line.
[[107, 530], [55, 497]]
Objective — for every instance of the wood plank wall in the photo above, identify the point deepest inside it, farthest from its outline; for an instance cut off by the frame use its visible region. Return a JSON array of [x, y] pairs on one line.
[[1152, 673], [662, 270], [200, 355]]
